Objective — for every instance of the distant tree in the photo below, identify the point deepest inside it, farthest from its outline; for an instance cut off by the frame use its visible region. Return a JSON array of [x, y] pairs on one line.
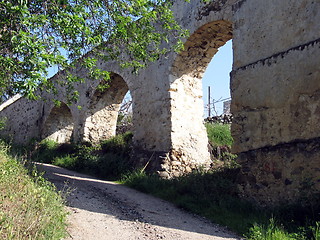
[[38, 34]]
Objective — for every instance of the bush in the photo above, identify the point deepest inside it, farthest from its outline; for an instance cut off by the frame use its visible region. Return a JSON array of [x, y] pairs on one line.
[[120, 144], [46, 151], [3, 122]]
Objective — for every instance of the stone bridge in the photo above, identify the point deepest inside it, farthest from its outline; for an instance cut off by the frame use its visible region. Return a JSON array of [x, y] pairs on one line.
[[275, 88]]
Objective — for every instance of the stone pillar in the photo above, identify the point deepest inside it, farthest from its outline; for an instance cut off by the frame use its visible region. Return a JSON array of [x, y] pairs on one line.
[[168, 106], [189, 136], [276, 98], [151, 117]]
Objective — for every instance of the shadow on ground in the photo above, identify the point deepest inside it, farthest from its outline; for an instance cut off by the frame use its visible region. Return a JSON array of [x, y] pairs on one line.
[[94, 195]]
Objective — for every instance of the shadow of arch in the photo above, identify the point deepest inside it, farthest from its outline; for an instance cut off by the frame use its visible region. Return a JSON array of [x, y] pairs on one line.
[[102, 114], [189, 135], [59, 124]]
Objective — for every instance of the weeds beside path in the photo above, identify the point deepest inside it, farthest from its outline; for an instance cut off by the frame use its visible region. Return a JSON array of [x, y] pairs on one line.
[[29, 206]]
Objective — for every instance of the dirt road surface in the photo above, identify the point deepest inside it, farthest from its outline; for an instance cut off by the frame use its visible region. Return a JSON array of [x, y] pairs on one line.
[[102, 210]]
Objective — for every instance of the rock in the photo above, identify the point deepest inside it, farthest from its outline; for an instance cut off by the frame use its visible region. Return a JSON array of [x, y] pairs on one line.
[[176, 173], [164, 174], [176, 163]]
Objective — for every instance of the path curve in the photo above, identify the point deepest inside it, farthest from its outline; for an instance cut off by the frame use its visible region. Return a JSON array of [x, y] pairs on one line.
[[103, 210]]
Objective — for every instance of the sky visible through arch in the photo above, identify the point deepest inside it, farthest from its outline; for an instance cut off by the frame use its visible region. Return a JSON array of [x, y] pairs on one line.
[[218, 78]]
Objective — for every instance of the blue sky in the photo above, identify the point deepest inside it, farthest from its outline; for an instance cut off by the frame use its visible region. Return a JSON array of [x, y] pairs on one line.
[[217, 77]]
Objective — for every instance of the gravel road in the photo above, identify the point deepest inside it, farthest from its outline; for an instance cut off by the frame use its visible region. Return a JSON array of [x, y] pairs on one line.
[[109, 211]]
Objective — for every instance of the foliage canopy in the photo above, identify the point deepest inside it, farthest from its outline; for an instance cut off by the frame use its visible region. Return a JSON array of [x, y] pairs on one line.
[[38, 34]]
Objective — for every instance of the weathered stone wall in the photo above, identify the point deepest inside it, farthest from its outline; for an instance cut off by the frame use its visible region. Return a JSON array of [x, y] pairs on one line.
[[276, 91], [167, 105], [23, 120]]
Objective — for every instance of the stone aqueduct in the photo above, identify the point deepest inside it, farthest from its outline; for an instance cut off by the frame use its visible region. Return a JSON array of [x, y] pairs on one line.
[[275, 87]]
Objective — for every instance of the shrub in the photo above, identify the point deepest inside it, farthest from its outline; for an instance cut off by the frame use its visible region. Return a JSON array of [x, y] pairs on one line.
[[66, 162], [45, 151], [120, 144], [271, 231], [3, 122]]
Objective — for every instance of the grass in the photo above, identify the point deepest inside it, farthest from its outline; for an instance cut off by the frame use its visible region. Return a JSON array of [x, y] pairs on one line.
[[270, 231], [212, 194], [219, 134], [220, 141], [30, 208], [108, 160]]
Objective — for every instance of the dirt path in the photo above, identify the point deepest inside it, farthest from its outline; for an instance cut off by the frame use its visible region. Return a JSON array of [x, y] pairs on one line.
[[105, 210]]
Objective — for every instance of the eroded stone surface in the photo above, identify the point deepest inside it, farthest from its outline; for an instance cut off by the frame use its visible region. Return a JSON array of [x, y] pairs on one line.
[[275, 88], [102, 114], [265, 28], [277, 101], [59, 125], [281, 173]]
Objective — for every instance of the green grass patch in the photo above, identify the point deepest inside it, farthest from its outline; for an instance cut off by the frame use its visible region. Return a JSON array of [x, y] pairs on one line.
[[272, 231], [219, 134], [30, 208]]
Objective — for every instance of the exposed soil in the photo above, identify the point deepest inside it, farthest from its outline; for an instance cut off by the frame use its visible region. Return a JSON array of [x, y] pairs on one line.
[[106, 210]]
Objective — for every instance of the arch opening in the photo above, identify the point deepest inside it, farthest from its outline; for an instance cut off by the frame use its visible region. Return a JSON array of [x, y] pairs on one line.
[[187, 106], [103, 112], [124, 121], [216, 83], [59, 124]]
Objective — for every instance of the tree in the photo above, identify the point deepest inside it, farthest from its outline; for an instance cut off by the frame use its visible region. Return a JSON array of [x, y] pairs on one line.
[[38, 34]]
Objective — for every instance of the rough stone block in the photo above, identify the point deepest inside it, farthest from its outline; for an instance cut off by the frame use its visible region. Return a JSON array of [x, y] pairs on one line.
[[265, 28], [277, 101], [282, 174]]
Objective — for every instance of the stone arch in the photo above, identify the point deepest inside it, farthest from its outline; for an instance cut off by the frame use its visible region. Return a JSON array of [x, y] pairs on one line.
[[200, 48], [59, 124], [188, 132], [102, 113]]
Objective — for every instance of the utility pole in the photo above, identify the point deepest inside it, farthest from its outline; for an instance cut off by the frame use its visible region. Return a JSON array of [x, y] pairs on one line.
[[209, 104]]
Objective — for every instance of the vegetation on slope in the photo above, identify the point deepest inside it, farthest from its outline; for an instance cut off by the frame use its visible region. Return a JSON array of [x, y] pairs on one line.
[[29, 206]]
